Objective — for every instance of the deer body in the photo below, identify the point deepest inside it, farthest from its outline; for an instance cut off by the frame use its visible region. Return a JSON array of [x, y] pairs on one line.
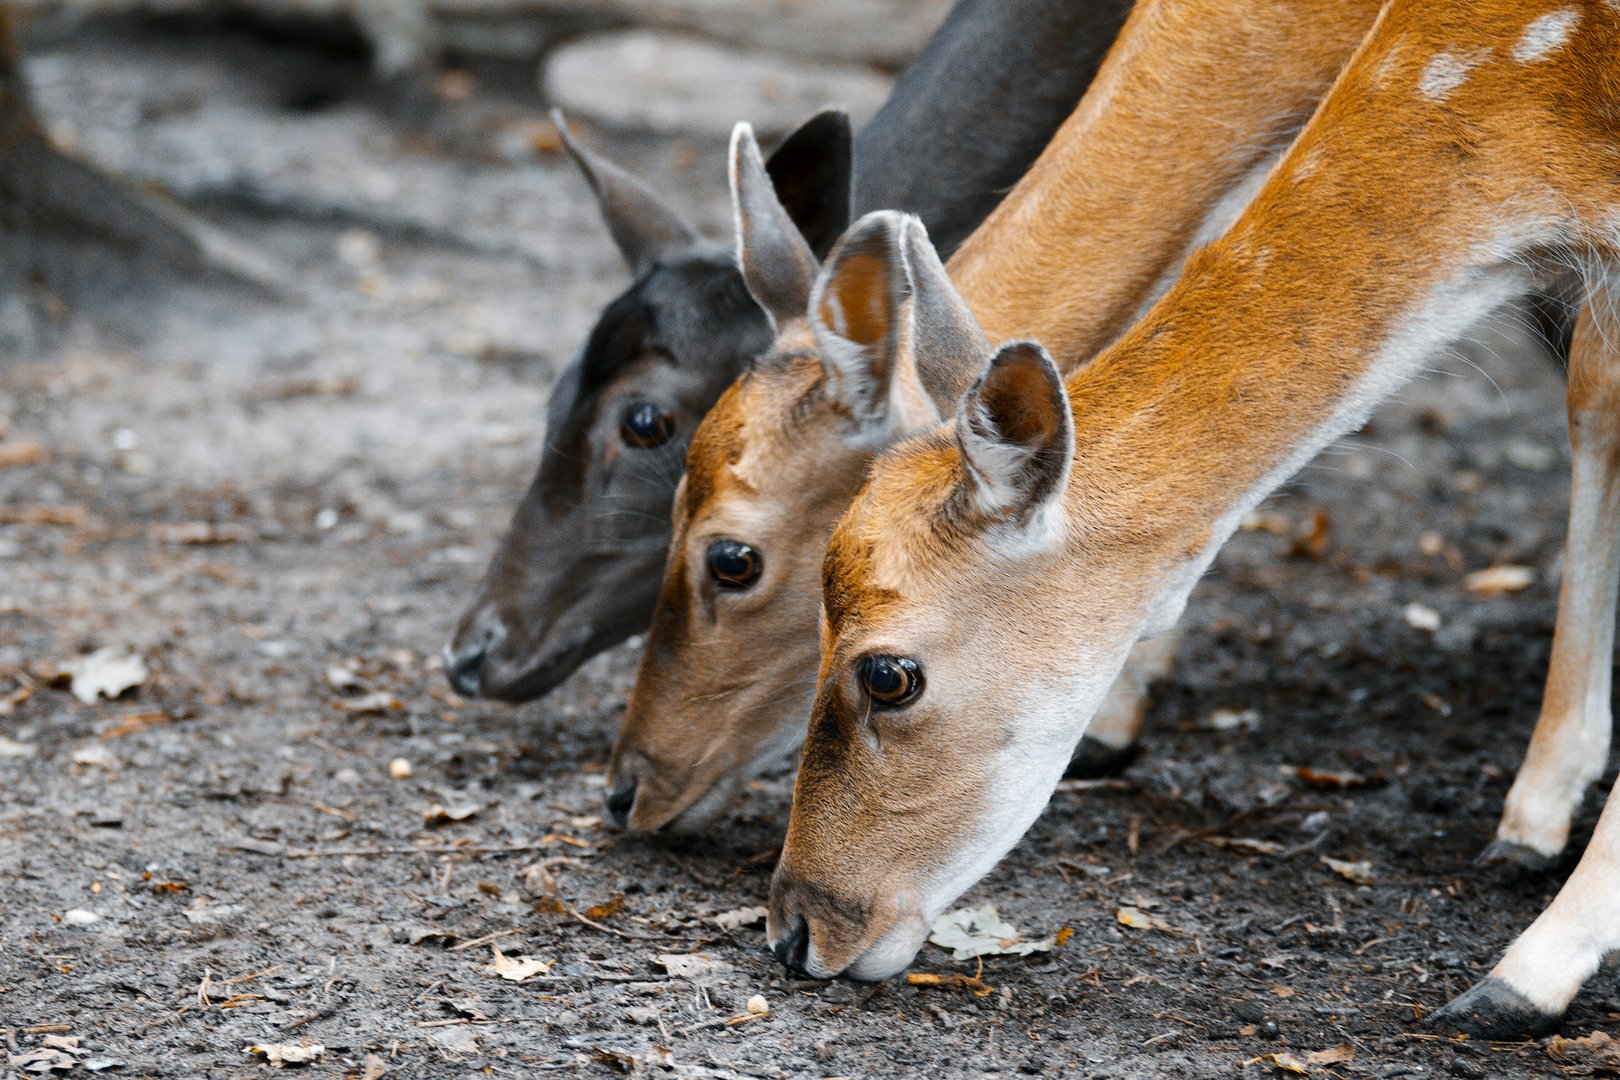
[[1191, 106], [1468, 153]]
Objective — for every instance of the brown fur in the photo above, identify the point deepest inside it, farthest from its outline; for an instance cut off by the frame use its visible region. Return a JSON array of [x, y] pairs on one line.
[[1386, 196]]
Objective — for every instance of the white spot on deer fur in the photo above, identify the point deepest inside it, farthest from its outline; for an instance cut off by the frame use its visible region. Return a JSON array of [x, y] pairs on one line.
[[1386, 66], [1447, 71], [1545, 34]]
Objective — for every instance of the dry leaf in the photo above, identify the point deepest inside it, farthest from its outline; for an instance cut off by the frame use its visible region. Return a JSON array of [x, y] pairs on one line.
[[200, 532], [437, 815], [1333, 1056], [43, 1061], [1421, 617], [1496, 580], [606, 910], [1233, 720], [950, 982], [1312, 542], [108, 673], [66, 1043], [1265, 521], [1361, 873], [1246, 844], [1285, 1062], [516, 969], [370, 704], [280, 1054], [11, 748], [417, 934], [738, 918], [10, 701], [22, 452], [690, 965], [980, 931], [1329, 778], [538, 881], [37, 514], [1137, 919], [95, 756], [344, 677], [135, 722], [1598, 1049]]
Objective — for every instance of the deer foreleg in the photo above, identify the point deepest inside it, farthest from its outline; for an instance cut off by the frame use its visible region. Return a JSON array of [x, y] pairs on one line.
[[1110, 739], [1570, 746]]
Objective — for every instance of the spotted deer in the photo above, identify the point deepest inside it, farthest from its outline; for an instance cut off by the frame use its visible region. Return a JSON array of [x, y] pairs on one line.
[[1167, 152], [989, 580], [578, 569]]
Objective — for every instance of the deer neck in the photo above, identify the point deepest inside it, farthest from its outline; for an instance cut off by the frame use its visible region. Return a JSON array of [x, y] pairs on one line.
[[1194, 98], [1393, 227]]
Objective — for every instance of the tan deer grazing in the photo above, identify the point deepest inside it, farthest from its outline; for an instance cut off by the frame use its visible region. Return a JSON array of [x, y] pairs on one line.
[[984, 589], [1169, 151]]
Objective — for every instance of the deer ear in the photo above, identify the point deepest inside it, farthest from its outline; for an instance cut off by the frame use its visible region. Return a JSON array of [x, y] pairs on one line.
[[813, 173], [777, 264], [644, 227], [946, 343], [860, 313], [1017, 435]]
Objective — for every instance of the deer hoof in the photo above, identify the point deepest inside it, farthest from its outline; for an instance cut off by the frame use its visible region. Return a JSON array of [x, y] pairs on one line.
[[1512, 856], [1493, 1010], [1094, 759]]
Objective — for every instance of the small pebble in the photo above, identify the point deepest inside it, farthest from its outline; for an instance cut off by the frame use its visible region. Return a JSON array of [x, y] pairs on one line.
[[80, 917], [399, 769], [758, 1006]]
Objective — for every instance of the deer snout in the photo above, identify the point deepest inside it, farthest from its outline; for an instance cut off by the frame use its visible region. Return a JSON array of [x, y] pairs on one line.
[[621, 800], [465, 654], [793, 947]]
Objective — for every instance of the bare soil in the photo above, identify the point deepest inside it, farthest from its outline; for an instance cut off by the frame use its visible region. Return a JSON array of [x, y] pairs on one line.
[[258, 874]]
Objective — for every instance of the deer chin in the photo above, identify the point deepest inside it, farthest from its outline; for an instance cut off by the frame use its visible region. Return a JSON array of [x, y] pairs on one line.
[[893, 952], [536, 675], [702, 803], [697, 811]]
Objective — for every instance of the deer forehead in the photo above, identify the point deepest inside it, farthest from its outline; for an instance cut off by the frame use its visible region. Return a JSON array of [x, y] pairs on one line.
[[750, 432]]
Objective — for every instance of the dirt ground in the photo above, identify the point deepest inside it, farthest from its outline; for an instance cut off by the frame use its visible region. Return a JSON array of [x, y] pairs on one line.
[[243, 868]]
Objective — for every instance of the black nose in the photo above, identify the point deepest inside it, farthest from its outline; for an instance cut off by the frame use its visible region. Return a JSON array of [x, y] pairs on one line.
[[466, 670], [794, 946], [619, 802]]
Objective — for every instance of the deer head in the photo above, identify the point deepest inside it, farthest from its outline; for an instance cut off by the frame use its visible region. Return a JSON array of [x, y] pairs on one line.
[[578, 569], [956, 677], [865, 351]]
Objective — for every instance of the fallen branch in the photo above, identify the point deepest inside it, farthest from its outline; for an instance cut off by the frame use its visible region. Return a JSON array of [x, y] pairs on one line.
[[442, 849]]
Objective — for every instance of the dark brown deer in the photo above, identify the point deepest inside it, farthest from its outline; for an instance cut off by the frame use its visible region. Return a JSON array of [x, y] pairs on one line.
[[579, 568]]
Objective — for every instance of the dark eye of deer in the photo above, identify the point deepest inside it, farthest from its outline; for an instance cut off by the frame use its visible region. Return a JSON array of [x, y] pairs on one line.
[[733, 565], [645, 424], [892, 681]]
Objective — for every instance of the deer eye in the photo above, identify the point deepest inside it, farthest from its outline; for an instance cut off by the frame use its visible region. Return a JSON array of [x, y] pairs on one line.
[[892, 681], [645, 425], [733, 565]]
